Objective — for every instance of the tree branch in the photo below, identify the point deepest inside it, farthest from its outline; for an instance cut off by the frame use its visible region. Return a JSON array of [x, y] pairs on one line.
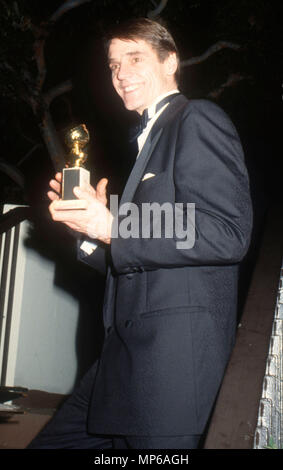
[[210, 51], [22, 133], [14, 173], [40, 59], [5, 65], [28, 154], [30, 100], [156, 12], [41, 34], [57, 91], [67, 6], [231, 80]]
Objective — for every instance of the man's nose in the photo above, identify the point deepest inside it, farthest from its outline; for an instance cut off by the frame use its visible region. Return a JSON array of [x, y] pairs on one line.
[[123, 72]]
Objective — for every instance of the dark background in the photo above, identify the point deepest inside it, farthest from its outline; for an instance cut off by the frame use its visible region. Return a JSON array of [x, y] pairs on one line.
[[73, 50]]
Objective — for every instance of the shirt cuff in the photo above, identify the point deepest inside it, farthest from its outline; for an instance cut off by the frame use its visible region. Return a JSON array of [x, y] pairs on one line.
[[88, 247]]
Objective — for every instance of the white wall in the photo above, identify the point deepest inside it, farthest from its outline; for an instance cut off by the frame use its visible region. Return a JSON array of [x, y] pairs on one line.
[[42, 347]]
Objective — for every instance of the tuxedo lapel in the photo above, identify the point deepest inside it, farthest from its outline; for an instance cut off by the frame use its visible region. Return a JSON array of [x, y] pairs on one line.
[[177, 102], [138, 169], [149, 146]]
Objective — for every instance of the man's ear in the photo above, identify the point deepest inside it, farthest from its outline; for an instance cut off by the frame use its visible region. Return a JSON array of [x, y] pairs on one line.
[[171, 63]]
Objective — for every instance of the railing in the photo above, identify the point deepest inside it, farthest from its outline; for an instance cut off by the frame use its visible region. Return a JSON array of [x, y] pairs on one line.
[[268, 433], [9, 242]]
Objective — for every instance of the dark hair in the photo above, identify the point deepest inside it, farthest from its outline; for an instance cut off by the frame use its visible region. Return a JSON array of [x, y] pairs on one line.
[[150, 31]]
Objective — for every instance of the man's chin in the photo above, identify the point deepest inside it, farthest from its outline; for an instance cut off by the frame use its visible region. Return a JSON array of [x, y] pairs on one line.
[[132, 105]]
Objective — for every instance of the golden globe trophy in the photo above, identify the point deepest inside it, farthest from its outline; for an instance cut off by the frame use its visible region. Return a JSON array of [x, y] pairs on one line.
[[75, 174]]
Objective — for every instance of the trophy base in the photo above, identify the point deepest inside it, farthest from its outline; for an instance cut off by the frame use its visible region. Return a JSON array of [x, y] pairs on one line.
[[72, 177]]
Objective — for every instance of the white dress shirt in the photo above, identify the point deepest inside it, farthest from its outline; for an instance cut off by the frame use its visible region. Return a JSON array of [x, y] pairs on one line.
[[153, 116]]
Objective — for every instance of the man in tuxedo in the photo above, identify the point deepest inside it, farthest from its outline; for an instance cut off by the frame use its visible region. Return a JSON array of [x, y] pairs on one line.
[[170, 306]]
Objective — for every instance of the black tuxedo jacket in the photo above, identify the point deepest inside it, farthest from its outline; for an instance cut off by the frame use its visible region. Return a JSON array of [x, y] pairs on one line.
[[170, 313]]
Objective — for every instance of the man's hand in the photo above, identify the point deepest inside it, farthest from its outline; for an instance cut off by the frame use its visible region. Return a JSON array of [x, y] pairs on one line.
[[94, 219]]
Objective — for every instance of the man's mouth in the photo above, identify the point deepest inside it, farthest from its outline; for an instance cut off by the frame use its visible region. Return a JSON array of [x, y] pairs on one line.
[[130, 88]]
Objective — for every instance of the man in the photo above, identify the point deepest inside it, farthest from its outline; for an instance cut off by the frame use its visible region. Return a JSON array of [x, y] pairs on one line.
[[169, 310]]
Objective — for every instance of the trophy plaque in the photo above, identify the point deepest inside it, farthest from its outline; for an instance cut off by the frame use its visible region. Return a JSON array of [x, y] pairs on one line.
[[75, 174]]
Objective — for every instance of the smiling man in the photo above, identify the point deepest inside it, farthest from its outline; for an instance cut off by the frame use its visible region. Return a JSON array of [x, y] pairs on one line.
[[138, 77], [169, 313]]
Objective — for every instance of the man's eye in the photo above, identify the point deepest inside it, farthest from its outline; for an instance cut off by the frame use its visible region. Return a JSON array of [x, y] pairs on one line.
[[114, 67], [136, 59]]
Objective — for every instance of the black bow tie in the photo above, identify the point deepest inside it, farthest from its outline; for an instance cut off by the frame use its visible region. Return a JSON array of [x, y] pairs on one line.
[[137, 130]]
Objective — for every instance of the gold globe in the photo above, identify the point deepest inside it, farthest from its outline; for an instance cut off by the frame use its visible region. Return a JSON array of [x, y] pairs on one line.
[[76, 139]]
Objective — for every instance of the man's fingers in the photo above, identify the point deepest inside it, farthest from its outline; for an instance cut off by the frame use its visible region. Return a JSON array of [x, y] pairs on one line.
[[58, 177], [101, 186], [52, 196], [55, 186], [90, 194], [101, 190], [87, 192]]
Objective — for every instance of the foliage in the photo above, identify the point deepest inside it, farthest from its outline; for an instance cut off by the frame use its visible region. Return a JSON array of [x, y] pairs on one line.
[[271, 444]]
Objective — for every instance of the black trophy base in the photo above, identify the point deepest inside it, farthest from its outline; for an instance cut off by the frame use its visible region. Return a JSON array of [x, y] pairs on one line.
[[72, 177]]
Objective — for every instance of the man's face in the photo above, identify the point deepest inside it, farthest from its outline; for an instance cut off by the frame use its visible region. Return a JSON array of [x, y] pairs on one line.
[[138, 76]]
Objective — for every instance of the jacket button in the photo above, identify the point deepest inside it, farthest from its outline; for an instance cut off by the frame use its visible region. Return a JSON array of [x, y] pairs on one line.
[[129, 276], [128, 323]]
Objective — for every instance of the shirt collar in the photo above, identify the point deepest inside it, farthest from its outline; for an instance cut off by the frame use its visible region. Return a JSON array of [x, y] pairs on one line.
[[152, 108]]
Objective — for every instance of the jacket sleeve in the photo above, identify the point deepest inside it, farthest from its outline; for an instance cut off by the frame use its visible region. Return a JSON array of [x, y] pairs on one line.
[[209, 172], [97, 259]]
